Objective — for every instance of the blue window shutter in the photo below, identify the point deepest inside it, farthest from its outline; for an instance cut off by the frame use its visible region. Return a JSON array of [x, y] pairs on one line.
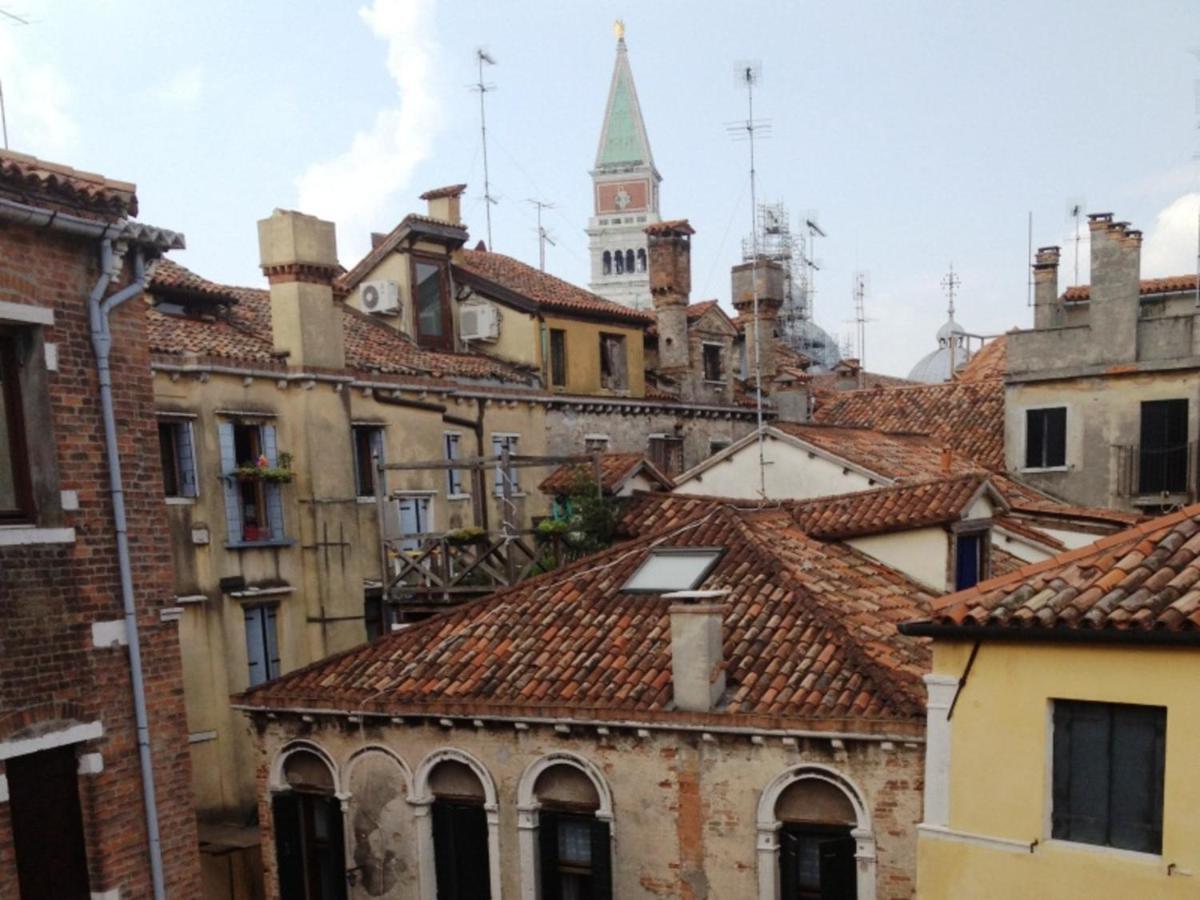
[[270, 615], [233, 500], [187, 459], [274, 498], [256, 645], [497, 449], [270, 445]]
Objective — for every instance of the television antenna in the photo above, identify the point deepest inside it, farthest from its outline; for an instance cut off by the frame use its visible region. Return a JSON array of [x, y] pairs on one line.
[[861, 281], [11, 16], [1195, 51], [1075, 211], [748, 73], [483, 88], [812, 263], [950, 284], [544, 237]]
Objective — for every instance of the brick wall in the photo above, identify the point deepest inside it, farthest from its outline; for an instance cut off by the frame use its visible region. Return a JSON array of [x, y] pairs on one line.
[[50, 594]]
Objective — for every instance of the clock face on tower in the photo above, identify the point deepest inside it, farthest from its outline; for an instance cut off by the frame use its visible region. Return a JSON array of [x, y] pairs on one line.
[[622, 198]]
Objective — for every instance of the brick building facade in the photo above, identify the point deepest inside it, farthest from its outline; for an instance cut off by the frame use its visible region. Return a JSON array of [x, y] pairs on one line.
[[72, 817]]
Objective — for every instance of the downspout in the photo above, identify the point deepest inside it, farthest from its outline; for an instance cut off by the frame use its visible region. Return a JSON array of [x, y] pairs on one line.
[[98, 312]]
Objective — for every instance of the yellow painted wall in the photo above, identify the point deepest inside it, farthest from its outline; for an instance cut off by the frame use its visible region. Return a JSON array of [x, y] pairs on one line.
[[583, 356], [1000, 777]]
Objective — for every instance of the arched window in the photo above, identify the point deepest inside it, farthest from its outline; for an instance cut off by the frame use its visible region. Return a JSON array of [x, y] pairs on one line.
[[564, 810], [629, 261], [307, 818], [641, 259], [607, 262], [460, 831], [619, 261], [814, 838]]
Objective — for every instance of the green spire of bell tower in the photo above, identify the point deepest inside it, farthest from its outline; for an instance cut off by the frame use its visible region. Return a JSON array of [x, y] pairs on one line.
[[623, 141]]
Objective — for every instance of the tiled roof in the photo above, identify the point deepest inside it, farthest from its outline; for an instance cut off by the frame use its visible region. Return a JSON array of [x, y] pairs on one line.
[[1036, 506], [856, 514], [824, 383], [989, 362], [894, 455], [1144, 580], [966, 416], [450, 190], [545, 290], [888, 509], [72, 186], [1172, 284], [615, 470], [1017, 525], [696, 310], [243, 331], [809, 637]]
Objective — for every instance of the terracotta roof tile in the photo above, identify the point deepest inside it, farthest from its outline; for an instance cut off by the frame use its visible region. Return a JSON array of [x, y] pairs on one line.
[[809, 636], [450, 190], [87, 189], [1172, 284], [615, 470], [241, 329], [966, 416], [545, 290], [894, 455], [1138, 580], [990, 362], [670, 226]]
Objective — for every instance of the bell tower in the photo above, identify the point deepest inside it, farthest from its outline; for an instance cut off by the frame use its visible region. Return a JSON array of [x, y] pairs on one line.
[[624, 193]]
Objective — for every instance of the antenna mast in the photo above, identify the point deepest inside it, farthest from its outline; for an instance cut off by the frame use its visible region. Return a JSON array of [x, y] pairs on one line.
[[860, 316], [951, 283], [810, 261], [1196, 156], [3, 112], [748, 75], [483, 88], [544, 237]]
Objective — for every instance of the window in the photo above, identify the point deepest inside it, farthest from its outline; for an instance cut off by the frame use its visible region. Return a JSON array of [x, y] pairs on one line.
[[454, 477], [971, 557], [499, 442], [607, 260], [629, 261], [368, 449], [673, 569], [614, 371], [1046, 438], [178, 458], [16, 492], [595, 443], [262, 643], [666, 452], [432, 301], [641, 260], [1108, 774], [619, 262], [253, 506], [309, 839], [716, 446], [558, 357], [47, 824], [460, 833], [713, 370], [414, 511], [1163, 453], [574, 853], [816, 862]]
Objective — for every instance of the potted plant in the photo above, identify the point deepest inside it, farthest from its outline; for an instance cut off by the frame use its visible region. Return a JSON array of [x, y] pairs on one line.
[[262, 470]]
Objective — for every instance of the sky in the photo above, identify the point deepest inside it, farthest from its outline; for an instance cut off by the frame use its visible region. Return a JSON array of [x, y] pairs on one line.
[[922, 133]]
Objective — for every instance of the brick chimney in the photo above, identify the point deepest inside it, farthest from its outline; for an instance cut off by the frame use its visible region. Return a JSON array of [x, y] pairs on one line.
[[1115, 290], [298, 254], [768, 276], [670, 257], [1047, 309], [444, 203], [697, 651]]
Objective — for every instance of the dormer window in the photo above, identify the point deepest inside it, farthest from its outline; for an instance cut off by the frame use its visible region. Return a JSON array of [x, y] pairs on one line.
[[431, 303], [972, 554], [667, 569]]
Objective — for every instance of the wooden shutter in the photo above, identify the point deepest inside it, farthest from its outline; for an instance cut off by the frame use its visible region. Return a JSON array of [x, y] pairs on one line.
[[1137, 763], [838, 869], [1035, 438], [1081, 772], [331, 853], [548, 856], [789, 864], [187, 460], [460, 851], [270, 616], [601, 861], [233, 499], [256, 645], [272, 491], [289, 847], [1055, 437]]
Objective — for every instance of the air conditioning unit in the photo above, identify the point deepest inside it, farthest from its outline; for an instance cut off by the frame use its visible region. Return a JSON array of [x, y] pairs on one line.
[[479, 322], [381, 297]]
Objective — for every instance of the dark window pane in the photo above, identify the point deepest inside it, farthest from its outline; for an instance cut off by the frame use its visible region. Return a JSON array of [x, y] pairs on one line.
[[429, 291], [1137, 783], [15, 496], [558, 357], [460, 851], [365, 443], [1163, 456], [712, 362], [1056, 437], [170, 458], [967, 560]]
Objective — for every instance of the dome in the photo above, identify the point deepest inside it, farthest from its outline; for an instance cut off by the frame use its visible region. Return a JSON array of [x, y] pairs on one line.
[[807, 337], [951, 327]]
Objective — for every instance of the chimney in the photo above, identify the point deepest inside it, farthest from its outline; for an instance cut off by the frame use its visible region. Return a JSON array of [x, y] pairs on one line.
[[768, 276], [298, 254], [669, 248], [849, 374], [790, 393], [444, 203], [1115, 290], [377, 238], [1047, 311], [697, 649]]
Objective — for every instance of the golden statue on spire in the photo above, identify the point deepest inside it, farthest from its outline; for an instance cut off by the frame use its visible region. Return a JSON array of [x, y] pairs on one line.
[[619, 29]]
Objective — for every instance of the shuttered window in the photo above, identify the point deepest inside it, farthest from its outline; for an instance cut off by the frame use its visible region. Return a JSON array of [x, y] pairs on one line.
[[1109, 760], [499, 442], [1163, 451], [1046, 438], [368, 447], [558, 357], [253, 508], [575, 856], [178, 458], [262, 643], [460, 851], [454, 477]]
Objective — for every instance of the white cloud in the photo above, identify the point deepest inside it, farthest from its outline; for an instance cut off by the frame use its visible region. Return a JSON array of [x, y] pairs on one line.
[[353, 188], [183, 88], [1170, 244], [37, 99]]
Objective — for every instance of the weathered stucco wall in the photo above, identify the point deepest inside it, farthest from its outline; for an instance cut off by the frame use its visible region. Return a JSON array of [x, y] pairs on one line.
[[683, 807]]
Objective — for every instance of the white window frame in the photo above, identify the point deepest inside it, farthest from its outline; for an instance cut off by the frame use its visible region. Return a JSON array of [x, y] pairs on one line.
[[184, 422], [513, 440], [378, 429], [1025, 411], [454, 477]]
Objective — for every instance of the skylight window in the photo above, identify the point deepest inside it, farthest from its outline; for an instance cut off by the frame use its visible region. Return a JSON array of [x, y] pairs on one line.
[[669, 569]]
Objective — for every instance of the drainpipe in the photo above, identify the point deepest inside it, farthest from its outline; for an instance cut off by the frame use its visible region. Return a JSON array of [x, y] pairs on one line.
[[98, 313]]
